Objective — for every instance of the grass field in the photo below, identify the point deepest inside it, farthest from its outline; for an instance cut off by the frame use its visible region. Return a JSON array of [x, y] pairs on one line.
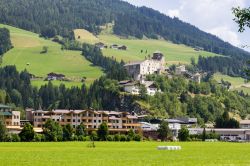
[[85, 36], [123, 154], [238, 83], [174, 53], [26, 55]]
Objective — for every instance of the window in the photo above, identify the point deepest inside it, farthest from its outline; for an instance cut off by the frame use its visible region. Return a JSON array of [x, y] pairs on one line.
[[79, 120], [94, 127], [99, 121], [68, 120], [74, 126], [74, 120], [94, 121]]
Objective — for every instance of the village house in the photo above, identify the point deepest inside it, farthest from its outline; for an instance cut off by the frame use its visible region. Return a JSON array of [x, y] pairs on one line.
[[8, 116], [114, 46], [92, 119], [133, 87], [245, 124], [199, 48], [101, 45], [225, 134], [123, 47], [197, 78], [155, 65], [180, 70], [54, 76]]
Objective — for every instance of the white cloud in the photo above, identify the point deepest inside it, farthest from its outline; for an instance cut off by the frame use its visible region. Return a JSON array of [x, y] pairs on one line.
[[213, 16], [173, 13], [226, 34]]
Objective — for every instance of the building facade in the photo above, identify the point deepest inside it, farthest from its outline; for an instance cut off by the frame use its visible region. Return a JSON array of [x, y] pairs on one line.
[[155, 65], [8, 116], [117, 121]]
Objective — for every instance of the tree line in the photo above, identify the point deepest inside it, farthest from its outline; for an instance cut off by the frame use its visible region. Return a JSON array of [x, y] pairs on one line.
[[53, 132], [56, 17], [5, 43]]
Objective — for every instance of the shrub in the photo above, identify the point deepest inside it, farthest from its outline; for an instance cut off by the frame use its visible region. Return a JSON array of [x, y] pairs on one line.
[[87, 138], [81, 138], [137, 137], [15, 138], [110, 138], [38, 137], [94, 136], [117, 137], [123, 138], [74, 138]]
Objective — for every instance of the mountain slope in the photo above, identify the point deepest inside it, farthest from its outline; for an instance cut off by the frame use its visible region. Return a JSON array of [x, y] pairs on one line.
[[61, 17], [26, 54], [139, 49]]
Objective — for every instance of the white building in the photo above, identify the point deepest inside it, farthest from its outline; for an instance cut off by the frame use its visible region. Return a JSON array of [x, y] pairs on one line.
[[225, 134], [145, 126], [155, 65], [134, 87], [180, 69], [245, 124], [197, 78]]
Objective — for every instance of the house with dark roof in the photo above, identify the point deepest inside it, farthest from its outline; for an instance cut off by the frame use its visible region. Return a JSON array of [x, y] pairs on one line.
[[123, 47], [101, 45], [54, 76]]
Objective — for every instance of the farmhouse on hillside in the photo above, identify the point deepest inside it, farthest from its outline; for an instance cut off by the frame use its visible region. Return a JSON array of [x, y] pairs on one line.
[[54, 76], [133, 87], [155, 65], [101, 45], [180, 70], [123, 47]]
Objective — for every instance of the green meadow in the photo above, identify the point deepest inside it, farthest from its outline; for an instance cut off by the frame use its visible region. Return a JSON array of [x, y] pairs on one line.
[[124, 154], [26, 54], [174, 53], [238, 83]]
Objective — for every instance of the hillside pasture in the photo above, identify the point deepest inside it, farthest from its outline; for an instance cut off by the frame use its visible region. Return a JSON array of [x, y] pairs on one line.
[[238, 83], [26, 54], [139, 49], [123, 154], [85, 36]]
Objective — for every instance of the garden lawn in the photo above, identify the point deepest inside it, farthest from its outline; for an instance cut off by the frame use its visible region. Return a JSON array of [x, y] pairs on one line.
[[123, 154]]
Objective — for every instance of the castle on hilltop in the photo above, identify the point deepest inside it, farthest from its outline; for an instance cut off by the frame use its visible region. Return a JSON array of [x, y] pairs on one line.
[[154, 65]]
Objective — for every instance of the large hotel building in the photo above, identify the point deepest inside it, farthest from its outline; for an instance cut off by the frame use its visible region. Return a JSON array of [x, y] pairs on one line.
[[117, 121]]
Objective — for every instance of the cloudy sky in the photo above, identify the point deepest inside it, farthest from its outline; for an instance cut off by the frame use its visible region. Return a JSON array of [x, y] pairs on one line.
[[213, 16]]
